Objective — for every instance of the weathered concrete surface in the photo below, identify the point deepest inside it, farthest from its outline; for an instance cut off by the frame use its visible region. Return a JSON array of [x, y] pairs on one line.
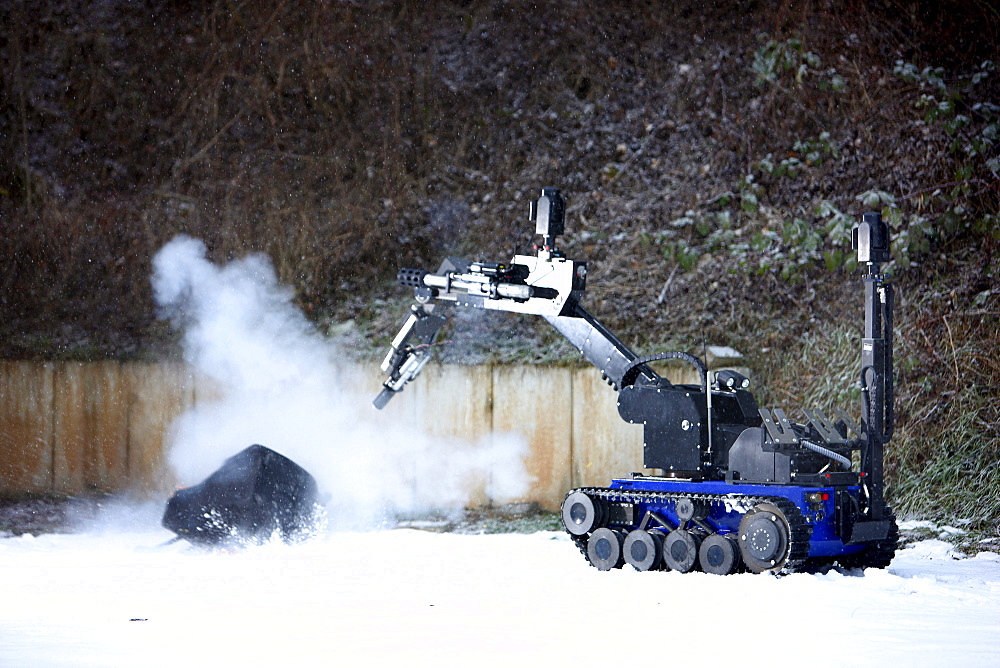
[[538, 407], [604, 446], [456, 402], [74, 427], [26, 398], [91, 425], [158, 394]]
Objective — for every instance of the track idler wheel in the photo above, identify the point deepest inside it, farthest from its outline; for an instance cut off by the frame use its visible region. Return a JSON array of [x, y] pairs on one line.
[[764, 541], [582, 513], [719, 555], [604, 548], [643, 550], [688, 509], [680, 550]]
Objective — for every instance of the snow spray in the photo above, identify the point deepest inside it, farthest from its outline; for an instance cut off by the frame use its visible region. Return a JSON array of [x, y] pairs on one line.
[[279, 384]]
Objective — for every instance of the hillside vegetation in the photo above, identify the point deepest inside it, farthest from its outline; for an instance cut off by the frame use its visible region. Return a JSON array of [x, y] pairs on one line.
[[714, 157]]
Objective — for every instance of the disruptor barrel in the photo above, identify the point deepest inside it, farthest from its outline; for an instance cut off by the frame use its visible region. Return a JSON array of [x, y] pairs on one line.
[[546, 284]]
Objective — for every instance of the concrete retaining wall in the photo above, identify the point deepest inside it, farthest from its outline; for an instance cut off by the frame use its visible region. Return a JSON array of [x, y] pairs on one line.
[[72, 427]]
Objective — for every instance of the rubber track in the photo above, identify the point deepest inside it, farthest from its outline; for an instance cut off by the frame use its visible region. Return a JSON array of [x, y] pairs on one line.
[[880, 554], [799, 530]]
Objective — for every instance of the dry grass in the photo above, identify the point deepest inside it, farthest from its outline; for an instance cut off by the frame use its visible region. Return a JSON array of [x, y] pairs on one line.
[[344, 140], [949, 412]]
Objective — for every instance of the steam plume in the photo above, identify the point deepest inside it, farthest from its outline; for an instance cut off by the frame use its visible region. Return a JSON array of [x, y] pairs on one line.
[[281, 386]]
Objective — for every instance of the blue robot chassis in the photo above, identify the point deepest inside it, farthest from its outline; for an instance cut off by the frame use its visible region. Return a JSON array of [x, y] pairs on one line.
[[729, 486]]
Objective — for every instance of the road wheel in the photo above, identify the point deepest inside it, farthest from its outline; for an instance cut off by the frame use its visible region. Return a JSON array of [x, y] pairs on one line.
[[680, 550], [643, 550], [604, 549], [719, 555]]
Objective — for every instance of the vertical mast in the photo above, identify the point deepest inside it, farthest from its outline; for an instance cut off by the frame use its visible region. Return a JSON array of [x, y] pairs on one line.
[[871, 239]]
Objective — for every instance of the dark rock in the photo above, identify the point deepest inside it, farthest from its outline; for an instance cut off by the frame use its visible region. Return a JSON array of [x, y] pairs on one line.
[[255, 493]]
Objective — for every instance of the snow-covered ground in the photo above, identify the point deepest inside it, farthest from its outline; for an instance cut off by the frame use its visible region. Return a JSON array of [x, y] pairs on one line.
[[109, 596]]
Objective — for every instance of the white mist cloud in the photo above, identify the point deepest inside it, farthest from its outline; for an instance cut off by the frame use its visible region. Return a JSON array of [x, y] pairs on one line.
[[281, 386]]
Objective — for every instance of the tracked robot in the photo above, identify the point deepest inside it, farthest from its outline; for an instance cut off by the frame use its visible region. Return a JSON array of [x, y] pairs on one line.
[[733, 487]]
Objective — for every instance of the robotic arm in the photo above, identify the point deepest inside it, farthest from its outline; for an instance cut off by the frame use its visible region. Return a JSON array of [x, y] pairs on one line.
[[547, 284]]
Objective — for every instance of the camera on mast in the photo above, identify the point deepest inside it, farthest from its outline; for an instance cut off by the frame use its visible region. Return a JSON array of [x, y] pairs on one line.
[[548, 213], [871, 239]]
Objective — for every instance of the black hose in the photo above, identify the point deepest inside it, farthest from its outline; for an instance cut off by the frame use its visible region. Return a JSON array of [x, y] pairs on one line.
[[820, 450]]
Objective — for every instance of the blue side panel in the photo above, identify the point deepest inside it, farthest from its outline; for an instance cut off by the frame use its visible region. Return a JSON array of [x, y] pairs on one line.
[[728, 508]]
